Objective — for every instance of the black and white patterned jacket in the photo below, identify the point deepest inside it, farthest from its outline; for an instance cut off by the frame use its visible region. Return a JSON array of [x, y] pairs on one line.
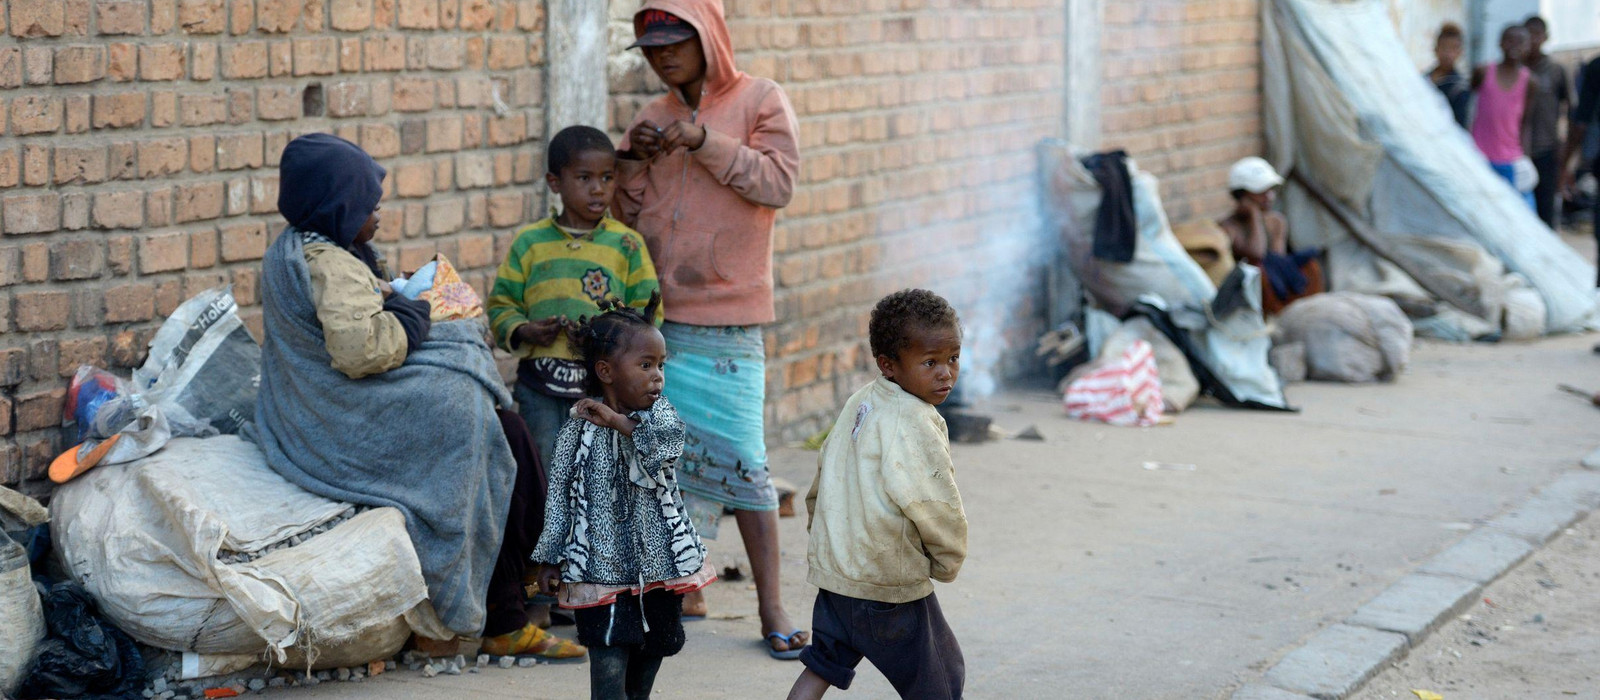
[[615, 515]]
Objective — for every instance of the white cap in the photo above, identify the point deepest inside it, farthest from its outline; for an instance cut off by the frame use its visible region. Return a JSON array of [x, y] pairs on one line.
[[1253, 175]]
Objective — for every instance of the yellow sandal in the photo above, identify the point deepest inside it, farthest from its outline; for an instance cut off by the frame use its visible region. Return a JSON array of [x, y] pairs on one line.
[[535, 641]]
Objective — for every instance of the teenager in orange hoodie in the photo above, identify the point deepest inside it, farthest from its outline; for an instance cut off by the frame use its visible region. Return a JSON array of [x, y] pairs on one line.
[[703, 171]]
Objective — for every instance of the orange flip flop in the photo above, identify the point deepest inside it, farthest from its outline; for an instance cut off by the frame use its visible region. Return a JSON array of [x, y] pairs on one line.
[[69, 465]]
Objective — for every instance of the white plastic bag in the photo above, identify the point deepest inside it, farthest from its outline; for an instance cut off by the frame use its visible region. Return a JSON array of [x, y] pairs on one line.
[[1125, 391], [148, 540], [21, 615], [203, 366]]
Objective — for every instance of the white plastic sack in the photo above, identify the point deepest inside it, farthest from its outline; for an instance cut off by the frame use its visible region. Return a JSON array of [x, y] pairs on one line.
[[1125, 390], [203, 364], [146, 540], [21, 615], [1348, 337], [1179, 388]]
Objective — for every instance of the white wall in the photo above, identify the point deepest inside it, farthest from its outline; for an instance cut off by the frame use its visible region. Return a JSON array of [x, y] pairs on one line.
[[1574, 24]]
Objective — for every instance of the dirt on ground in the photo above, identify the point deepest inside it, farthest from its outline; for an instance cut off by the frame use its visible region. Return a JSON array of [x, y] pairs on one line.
[[1534, 634]]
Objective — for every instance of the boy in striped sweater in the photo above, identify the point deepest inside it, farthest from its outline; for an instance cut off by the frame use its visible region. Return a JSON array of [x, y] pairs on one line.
[[560, 269]]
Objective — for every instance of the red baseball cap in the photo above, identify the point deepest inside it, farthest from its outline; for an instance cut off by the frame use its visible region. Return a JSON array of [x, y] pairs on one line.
[[662, 28]]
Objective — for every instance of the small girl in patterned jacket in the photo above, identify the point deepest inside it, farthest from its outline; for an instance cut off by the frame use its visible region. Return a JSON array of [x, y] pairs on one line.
[[618, 548]]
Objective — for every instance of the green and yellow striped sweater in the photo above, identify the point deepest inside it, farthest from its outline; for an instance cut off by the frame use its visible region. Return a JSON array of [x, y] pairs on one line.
[[551, 273]]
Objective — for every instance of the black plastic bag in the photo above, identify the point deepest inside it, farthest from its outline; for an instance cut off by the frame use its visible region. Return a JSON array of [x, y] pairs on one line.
[[84, 656]]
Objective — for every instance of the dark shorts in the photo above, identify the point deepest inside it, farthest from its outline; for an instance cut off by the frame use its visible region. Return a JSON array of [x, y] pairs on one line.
[[621, 624], [910, 643]]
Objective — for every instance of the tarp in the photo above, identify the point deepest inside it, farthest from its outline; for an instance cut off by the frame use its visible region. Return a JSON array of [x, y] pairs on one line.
[[1344, 110]]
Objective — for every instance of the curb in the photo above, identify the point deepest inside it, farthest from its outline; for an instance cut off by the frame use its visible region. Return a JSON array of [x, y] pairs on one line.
[[1336, 661]]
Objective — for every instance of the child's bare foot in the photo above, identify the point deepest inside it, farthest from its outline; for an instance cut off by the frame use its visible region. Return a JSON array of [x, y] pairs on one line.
[[694, 604]]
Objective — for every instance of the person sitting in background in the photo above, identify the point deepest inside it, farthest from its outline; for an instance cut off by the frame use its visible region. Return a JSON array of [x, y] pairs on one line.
[[1502, 123], [1260, 236], [1444, 76]]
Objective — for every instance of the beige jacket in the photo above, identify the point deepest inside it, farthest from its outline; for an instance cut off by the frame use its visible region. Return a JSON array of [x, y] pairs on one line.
[[885, 515], [360, 336]]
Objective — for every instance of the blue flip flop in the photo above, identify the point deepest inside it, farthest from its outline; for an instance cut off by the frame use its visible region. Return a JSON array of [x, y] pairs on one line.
[[787, 639]]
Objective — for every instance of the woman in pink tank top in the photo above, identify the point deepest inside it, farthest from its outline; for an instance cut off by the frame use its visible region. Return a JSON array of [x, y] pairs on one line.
[[1502, 115]]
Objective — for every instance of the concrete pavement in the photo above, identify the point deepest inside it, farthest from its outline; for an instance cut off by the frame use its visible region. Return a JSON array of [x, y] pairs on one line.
[[1090, 576]]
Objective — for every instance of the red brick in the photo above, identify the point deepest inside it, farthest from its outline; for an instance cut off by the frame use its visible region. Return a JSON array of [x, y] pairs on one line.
[[446, 216], [163, 16], [444, 53], [385, 53], [41, 409], [79, 64], [36, 18], [413, 94], [380, 140], [38, 65], [243, 242], [241, 105], [36, 262], [477, 15], [351, 15], [163, 109], [349, 99], [278, 102], [318, 56], [444, 134], [163, 252], [203, 153], [169, 295], [202, 16], [264, 195], [507, 52], [418, 14], [160, 62], [414, 180], [10, 67], [35, 114], [280, 58], [197, 202], [202, 110], [31, 213], [119, 209], [77, 260], [134, 301], [202, 249], [505, 209], [120, 16], [78, 352], [241, 17], [158, 207], [122, 62], [80, 165], [244, 60], [161, 157], [43, 311], [205, 62], [277, 16], [350, 54], [10, 168], [116, 111], [238, 151]]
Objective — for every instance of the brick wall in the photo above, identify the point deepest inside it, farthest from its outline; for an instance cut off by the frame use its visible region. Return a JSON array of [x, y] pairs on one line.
[[1182, 94], [918, 120], [138, 150]]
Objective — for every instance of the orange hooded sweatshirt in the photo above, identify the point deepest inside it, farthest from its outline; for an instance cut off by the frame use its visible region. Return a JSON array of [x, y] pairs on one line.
[[707, 214]]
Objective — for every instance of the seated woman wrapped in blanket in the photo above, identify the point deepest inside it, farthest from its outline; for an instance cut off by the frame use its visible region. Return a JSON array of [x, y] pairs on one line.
[[366, 398]]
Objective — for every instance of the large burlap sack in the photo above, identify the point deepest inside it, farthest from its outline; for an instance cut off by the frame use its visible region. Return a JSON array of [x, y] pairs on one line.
[[201, 547], [21, 616], [1348, 337]]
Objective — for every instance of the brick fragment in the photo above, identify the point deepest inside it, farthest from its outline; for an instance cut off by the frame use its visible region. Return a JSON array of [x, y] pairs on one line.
[[37, 18], [122, 62], [80, 164]]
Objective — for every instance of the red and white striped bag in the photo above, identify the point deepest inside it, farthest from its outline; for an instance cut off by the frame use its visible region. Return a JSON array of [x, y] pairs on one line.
[[1126, 391]]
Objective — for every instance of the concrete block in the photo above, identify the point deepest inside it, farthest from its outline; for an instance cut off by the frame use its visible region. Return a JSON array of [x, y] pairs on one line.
[[1265, 692], [1556, 506], [1416, 604], [1481, 556], [1336, 661]]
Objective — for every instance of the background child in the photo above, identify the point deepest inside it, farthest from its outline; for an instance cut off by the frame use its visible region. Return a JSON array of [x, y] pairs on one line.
[[616, 542], [561, 268], [704, 170], [886, 515]]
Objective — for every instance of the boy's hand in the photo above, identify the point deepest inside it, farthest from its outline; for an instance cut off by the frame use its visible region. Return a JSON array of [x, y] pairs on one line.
[[540, 333], [385, 289], [645, 139], [549, 578], [685, 134]]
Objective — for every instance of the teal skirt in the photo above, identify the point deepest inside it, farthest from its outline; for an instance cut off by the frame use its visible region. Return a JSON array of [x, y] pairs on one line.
[[717, 380]]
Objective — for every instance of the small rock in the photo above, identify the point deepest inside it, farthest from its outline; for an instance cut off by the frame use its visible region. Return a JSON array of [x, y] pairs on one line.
[[169, 695], [507, 662], [453, 669], [460, 661], [159, 686], [414, 665], [310, 680], [483, 659], [1538, 619], [277, 682], [1030, 433], [357, 674], [527, 662], [149, 693], [344, 673], [474, 669], [389, 665], [258, 685], [412, 656], [428, 672], [377, 668]]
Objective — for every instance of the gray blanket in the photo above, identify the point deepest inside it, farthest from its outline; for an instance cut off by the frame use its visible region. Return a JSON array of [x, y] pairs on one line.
[[422, 437]]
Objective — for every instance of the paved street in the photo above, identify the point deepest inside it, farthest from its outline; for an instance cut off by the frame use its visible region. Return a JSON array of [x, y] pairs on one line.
[[1093, 577]]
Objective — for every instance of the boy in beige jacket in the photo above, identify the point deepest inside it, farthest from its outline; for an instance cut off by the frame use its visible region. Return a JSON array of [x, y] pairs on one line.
[[886, 516]]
